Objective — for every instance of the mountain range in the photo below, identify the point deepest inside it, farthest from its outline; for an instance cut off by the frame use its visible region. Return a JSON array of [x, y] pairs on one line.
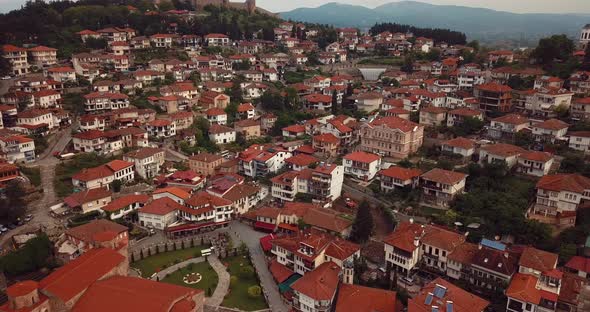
[[488, 26]]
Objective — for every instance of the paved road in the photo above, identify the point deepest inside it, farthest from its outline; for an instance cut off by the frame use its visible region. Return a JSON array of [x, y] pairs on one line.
[[40, 208], [172, 155], [243, 233], [223, 282]]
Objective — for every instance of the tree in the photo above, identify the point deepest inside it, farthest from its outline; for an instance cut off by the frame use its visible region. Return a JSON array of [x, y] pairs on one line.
[[556, 47], [243, 248], [301, 224], [363, 223], [334, 103], [117, 185], [474, 44], [166, 5], [33, 256], [408, 65]]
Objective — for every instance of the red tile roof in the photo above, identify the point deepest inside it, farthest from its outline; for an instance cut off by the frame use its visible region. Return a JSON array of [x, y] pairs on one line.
[[363, 157], [319, 284], [513, 119], [21, 288], [279, 271], [176, 191], [217, 129], [538, 260], [523, 288], [564, 182], [536, 156], [493, 87], [161, 206], [123, 293], [76, 276], [403, 174], [88, 231], [460, 142], [326, 138], [579, 263], [80, 198], [302, 160], [214, 111], [351, 297], [444, 176], [394, 122], [403, 236], [465, 112], [552, 124], [125, 201], [463, 301], [318, 98], [295, 128], [117, 165], [504, 150]]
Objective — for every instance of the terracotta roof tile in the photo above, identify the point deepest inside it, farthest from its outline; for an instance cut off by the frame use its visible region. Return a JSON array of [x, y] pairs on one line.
[[463, 301], [319, 284], [538, 260], [444, 176], [351, 297], [363, 157], [403, 174], [564, 182]]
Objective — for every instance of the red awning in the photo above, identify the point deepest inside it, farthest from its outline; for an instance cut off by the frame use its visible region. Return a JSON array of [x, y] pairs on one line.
[[265, 226], [265, 242]]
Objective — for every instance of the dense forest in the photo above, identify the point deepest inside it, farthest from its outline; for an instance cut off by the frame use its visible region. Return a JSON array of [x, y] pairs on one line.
[[437, 34], [56, 23]]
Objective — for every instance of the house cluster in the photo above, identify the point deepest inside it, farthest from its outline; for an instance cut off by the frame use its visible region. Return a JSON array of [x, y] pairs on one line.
[[95, 278]]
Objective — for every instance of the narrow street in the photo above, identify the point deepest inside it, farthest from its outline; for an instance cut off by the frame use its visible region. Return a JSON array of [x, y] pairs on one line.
[[244, 233], [40, 208]]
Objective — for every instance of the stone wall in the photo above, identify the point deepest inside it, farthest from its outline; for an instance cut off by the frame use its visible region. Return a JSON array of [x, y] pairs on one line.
[[157, 248]]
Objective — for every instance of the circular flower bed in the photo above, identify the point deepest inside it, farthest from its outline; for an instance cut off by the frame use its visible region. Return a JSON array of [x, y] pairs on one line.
[[192, 278]]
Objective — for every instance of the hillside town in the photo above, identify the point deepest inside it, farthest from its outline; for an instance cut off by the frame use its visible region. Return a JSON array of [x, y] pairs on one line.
[[210, 156]]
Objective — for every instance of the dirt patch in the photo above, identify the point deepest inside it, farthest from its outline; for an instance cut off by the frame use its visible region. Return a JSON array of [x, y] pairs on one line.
[[382, 226]]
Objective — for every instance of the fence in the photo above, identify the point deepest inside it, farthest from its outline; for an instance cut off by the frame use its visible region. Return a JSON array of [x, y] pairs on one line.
[[157, 248]]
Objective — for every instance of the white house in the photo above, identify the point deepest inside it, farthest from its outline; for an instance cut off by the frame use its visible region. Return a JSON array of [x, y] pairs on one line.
[[220, 134], [362, 165]]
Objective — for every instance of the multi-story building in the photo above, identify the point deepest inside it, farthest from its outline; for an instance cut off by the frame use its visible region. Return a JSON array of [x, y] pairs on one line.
[[538, 283], [61, 74], [580, 141], [493, 97], [96, 141], [326, 144], [305, 251], [317, 102], [17, 148], [534, 163], [459, 146], [306, 292], [558, 199], [205, 163], [259, 160], [550, 130], [43, 56], [216, 115], [216, 40], [17, 57], [543, 103], [220, 134], [161, 128], [441, 186], [433, 116], [580, 109], [391, 137], [507, 126], [500, 152], [104, 175], [456, 116], [147, 161], [105, 101], [323, 183], [395, 177], [362, 165]]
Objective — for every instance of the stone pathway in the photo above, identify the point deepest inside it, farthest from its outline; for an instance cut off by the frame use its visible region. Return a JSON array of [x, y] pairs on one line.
[[223, 282], [173, 268], [223, 277]]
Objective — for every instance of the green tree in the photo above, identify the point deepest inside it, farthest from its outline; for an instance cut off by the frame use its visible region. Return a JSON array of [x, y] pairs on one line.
[[363, 223], [335, 109], [247, 272], [556, 47], [233, 281], [117, 184], [166, 5]]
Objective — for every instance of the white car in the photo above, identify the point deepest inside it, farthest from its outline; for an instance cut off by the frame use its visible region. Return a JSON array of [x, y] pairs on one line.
[[6, 78]]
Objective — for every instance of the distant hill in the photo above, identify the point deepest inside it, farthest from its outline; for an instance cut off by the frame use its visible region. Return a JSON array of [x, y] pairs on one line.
[[483, 24]]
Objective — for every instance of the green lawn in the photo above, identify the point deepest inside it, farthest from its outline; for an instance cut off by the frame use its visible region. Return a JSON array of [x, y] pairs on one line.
[[149, 265], [208, 281], [238, 295]]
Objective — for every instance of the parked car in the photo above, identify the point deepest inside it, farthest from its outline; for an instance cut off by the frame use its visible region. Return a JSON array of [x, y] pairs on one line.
[[3, 229], [28, 218]]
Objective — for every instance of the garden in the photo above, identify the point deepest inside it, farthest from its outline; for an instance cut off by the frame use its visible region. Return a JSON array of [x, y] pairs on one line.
[[158, 262], [245, 292], [195, 275]]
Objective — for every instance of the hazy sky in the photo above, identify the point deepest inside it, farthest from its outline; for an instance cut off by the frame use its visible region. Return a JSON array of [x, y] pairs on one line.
[[519, 6]]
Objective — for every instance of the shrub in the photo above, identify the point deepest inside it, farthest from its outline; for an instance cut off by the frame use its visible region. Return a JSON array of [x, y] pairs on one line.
[[247, 272], [233, 280], [254, 291]]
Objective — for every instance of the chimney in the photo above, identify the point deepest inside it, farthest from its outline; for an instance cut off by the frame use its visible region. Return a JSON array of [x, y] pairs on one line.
[[416, 241], [506, 255], [411, 220], [479, 246]]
